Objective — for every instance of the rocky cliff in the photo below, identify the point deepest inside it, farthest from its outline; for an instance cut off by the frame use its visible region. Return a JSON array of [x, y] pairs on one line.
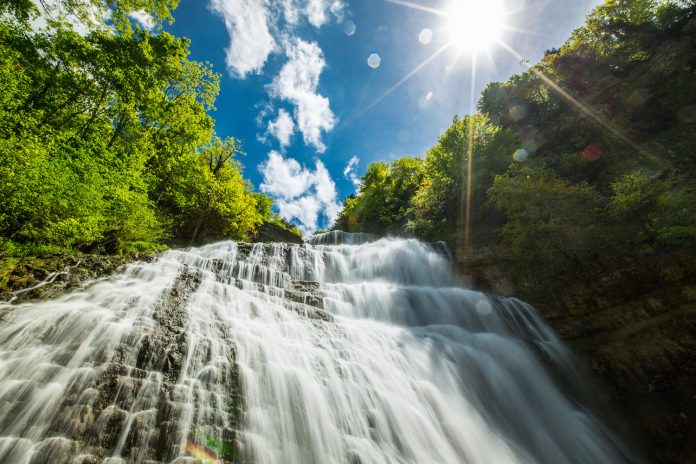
[[633, 321]]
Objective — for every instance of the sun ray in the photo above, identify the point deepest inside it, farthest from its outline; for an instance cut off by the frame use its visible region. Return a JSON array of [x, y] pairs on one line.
[[568, 97], [418, 7], [400, 82], [472, 88], [583, 108]]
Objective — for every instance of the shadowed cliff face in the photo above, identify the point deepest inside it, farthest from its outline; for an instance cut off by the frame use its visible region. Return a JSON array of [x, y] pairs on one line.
[[633, 321], [363, 352]]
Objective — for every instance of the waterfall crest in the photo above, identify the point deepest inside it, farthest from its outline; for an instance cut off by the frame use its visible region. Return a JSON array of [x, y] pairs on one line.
[[347, 350]]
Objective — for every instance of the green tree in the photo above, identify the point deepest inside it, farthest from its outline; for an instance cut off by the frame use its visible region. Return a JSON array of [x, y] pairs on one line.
[[106, 138], [383, 204], [550, 222], [439, 202]]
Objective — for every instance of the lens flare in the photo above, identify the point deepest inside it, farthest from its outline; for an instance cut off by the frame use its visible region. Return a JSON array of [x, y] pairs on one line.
[[687, 114], [483, 307], [425, 36], [374, 60], [518, 112], [521, 155], [349, 27], [591, 153], [426, 100], [200, 452]]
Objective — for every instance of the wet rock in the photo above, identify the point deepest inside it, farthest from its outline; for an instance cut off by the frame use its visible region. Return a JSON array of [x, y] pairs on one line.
[[56, 450], [74, 421], [48, 277], [86, 459], [243, 250], [269, 232], [107, 428], [305, 298]]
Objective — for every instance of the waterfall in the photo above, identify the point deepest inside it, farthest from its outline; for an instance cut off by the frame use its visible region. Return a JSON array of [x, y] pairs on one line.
[[348, 350]]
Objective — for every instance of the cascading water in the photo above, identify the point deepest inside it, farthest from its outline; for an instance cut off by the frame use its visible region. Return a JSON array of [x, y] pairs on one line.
[[352, 353]]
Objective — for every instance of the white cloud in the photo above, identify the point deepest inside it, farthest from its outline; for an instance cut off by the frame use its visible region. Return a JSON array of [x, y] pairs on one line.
[[326, 192], [291, 11], [350, 172], [301, 194], [284, 178], [350, 167], [145, 20], [282, 128], [253, 26], [338, 9], [305, 210], [256, 27], [247, 23], [317, 12], [297, 83]]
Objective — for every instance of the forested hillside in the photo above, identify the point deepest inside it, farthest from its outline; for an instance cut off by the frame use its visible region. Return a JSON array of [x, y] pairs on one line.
[[588, 152], [106, 141]]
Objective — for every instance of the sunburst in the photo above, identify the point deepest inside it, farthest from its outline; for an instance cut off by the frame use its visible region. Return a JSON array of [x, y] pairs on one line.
[[473, 28]]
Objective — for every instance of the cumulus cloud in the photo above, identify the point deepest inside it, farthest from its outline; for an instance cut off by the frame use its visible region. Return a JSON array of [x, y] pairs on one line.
[[297, 83], [304, 210], [145, 20], [351, 173], [282, 128], [247, 23], [326, 192], [284, 178], [301, 194], [253, 26], [256, 28], [317, 12]]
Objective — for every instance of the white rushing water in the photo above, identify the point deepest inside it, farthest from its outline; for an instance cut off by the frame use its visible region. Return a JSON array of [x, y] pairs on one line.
[[361, 352]]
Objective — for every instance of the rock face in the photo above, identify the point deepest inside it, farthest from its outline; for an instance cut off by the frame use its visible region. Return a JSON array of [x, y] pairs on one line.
[[633, 320], [48, 277], [269, 232]]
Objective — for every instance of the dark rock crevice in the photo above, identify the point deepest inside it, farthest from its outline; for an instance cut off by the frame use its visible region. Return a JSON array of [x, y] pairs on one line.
[[632, 320]]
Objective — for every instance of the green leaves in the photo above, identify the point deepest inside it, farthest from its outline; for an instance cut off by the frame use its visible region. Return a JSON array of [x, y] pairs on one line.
[[106, 142], [384, 202]]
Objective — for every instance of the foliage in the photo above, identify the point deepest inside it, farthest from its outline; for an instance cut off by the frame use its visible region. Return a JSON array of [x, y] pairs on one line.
[[550, 222], [424, 196], [105, 138], [439, 201], [382, 205], [588, 151]]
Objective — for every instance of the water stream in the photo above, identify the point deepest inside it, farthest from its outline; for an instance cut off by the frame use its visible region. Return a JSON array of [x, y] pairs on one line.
[[349, 350]]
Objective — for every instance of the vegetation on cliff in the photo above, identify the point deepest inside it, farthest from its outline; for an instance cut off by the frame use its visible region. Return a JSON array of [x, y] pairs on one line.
[[106, 142], [589, 152]]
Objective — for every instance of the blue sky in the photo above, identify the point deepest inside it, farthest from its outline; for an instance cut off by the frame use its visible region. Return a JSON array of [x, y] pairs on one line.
[[311, 113]]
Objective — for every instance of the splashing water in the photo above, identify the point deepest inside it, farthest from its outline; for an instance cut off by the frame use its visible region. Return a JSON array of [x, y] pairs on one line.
[[357, 354]]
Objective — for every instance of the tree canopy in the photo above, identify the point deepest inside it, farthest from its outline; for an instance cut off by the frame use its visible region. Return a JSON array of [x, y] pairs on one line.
[[587, 152], [106, 141]]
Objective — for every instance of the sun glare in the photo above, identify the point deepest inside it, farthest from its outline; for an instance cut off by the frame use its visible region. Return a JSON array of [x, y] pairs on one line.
[[475, 25]]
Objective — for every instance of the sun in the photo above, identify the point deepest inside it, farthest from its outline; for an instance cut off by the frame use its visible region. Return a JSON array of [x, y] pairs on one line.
[[475, 25]]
